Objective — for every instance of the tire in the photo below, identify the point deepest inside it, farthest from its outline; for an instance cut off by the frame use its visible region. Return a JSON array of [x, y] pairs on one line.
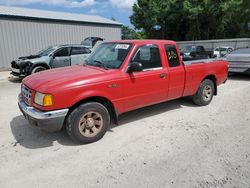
[[38, 69], [88, 122], [205, 93]]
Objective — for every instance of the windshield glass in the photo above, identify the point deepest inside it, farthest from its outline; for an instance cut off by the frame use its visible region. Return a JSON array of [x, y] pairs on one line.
[[220, 49], [241, 51], [189, 48], [46, 51], [109, 55]]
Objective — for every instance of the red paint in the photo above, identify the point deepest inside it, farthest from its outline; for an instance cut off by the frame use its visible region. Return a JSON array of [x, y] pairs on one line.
[[70, 85]]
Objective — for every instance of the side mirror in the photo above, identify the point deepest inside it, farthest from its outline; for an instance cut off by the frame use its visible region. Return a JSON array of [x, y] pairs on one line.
[[135, 67]]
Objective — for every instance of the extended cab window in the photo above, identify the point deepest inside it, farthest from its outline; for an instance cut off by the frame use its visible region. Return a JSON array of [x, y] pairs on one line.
[[79, 50], [172, 56], [148, 56], [62, 52]]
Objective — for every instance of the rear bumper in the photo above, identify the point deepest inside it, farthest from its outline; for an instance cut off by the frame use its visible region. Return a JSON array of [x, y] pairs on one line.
[[49, 121]]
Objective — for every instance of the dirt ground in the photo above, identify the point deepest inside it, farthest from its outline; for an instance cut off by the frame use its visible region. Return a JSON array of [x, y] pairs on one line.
[[174, 144]]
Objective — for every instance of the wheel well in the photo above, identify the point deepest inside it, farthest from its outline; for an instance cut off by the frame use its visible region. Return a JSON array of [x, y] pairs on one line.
[[104, 101], [214, 80], [39, 64]]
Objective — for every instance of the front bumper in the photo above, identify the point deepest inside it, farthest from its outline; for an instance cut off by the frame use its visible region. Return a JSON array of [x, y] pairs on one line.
[[16, 72], [49, 121], [20, 69]]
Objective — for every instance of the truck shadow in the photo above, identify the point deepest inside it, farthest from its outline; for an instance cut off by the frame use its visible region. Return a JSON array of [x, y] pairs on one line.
[[33, 138], [153, 110], [239, 77]]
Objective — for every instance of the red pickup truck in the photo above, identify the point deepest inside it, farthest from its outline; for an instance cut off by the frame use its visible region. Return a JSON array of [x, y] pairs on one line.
[[118, 77]]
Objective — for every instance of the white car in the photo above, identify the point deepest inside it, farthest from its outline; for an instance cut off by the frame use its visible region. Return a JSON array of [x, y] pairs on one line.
[[222, 51]]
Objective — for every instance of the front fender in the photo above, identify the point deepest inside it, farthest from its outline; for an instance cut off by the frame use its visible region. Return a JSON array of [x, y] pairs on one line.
[[91, 94], [44, 64]]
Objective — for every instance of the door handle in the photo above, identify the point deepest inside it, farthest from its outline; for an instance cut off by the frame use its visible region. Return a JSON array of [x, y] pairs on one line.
[[162, 75]]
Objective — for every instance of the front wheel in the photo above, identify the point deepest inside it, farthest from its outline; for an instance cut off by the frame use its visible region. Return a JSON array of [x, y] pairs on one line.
[[88, 122], [38, 69], [205, 93]]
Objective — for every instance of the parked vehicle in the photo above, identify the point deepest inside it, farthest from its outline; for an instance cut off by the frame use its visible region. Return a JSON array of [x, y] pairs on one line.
[[90, 42], [119, 76], [195, 52], [54, 57], [239, 61], [51, 57], [222, 51]]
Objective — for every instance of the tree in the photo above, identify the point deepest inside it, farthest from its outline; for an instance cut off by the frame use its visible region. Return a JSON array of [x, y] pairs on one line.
[[192, 19], [128, 33], [150, 13]]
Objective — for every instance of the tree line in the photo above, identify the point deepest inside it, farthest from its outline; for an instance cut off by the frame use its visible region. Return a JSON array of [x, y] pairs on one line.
[[189, 19]]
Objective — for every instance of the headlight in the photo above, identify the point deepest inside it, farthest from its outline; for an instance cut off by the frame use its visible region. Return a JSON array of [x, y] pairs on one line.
[[43, 99]]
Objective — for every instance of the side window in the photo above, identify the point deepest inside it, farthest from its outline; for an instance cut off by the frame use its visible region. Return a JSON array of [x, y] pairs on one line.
[[172, 56], [62, 52], [79, 50], [148, 56], [200, 49]]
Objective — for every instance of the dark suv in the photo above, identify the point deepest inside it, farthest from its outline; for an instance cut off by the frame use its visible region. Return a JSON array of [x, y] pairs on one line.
[[194, 52]]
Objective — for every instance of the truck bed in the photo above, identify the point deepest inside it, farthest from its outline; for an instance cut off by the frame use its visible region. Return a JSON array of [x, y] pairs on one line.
[[197, 70], [189, 62]]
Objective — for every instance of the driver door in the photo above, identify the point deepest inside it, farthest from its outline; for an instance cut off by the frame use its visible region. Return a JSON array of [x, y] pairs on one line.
[[149, 86], [61, 58]]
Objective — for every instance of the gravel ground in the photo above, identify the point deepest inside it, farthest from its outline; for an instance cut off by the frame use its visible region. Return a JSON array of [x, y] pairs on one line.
[[174, 144]]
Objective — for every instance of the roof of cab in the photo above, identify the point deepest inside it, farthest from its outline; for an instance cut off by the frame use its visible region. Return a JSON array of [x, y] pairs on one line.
[[146, 41]]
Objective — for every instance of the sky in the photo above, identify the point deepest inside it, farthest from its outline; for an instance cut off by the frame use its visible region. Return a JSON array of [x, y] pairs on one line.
[[118, 9]]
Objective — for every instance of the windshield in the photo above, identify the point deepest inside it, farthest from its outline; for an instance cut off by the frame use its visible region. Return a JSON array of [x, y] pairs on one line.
[[109, 55], [189, 48], [241, 51], [220, 49], [46, 51]]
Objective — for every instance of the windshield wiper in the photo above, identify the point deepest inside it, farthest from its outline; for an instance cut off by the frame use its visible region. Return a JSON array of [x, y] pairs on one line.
[[101, 64]]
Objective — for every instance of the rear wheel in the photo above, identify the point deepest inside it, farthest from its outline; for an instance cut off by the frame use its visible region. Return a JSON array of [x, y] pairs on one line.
[[205, 93], [88, 122], [38, 69]]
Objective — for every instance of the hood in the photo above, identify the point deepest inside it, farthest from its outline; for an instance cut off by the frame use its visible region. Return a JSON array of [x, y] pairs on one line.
[[29, 57], [34, 59], [66, 77], [90, 42]]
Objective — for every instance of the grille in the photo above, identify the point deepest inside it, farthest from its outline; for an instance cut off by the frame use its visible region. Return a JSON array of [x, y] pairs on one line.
[[26, 93], [14, 65]]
